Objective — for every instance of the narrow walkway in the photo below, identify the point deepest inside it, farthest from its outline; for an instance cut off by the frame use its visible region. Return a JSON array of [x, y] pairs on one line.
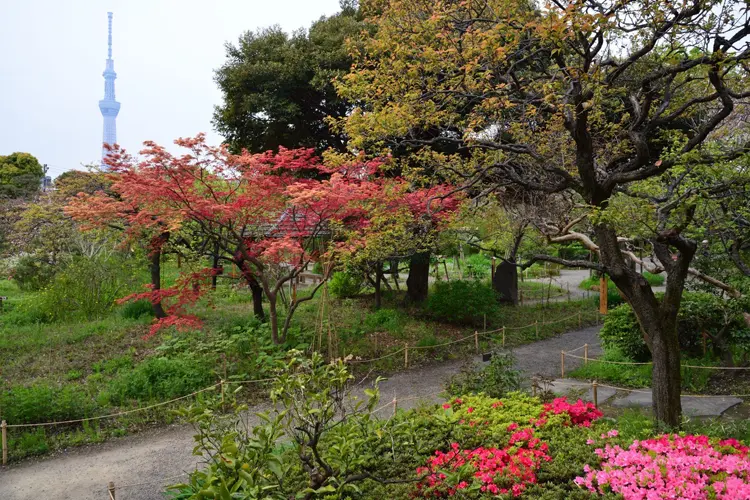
[[143, 461]]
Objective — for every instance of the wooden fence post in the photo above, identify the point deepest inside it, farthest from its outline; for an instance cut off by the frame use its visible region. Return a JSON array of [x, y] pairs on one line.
[[406, 355], [562, 364], [585, 354], [4, 426], [503, 336], [536, 326], [603, 294], [395, 405], [476, 340], [111, 490], [594, 385]]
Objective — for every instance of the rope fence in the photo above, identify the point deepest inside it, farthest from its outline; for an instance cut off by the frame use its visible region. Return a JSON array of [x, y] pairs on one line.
[[4, 426], [633, 363]]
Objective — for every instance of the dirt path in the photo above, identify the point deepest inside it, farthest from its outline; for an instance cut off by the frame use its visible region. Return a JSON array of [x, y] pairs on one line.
[[140, 464]]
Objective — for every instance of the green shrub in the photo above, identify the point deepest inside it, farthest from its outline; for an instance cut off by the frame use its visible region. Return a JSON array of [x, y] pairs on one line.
[[699, 312], [45, 403], [345, 284], [654, 279], [137, 309], [496, 379], [85, 289], [461, 302], [389, 320], [478, 266], [622, 333], [161, 378], [32, 273]]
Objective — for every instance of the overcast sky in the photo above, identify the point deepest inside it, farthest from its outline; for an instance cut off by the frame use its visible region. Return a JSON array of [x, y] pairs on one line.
[[52, 56]]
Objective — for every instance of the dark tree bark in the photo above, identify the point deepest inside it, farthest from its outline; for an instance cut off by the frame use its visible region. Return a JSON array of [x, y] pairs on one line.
[[417, 284], [157, 243], [378, 281], [215, 265], [255, 288]]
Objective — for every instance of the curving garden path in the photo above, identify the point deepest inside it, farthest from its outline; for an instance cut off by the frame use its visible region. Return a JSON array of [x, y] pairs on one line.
[[139, 465]]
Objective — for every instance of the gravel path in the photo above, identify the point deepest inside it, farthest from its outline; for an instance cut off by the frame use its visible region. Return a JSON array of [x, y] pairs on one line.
[[139, 464]]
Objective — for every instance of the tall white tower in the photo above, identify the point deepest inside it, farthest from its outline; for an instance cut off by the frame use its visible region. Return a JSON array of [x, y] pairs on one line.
[[109, 106]]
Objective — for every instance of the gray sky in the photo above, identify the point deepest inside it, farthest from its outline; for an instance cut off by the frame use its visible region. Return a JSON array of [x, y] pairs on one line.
[[52, 57]]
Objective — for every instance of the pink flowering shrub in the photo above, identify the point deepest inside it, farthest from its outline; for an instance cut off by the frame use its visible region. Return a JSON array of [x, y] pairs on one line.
[[488, 470], [690, 467]]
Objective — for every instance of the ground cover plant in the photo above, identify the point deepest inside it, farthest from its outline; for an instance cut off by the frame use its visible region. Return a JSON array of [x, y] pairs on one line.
[[470, 446]]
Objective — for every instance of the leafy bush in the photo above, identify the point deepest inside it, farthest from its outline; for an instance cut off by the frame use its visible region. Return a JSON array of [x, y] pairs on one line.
[[478, 266], [699, 312], [161, 378], [654, 279], [345, 284], [137, 309], [461, 302], [45, 403], [390, 320], [85, 289], [32, 273], [496, 379]]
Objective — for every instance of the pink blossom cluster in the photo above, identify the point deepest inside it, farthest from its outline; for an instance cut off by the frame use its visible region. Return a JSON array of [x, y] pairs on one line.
[[671, 466], [581, 413], [496, 471]]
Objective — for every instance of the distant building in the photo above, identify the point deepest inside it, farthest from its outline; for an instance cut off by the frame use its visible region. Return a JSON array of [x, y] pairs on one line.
[[109, 106]]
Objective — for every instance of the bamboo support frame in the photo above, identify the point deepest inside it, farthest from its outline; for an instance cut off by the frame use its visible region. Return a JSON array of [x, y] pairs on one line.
[[594, 386], [4, 426], [562, 364]]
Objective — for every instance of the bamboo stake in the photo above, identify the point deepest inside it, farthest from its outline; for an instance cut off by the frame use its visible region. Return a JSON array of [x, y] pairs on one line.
[[111, 490], [406, 355], [533, 386], [395, 406], [562, 364], [594, 385], [4, 426], [476, 340], [536, 326], [503, 336], [585, 354]]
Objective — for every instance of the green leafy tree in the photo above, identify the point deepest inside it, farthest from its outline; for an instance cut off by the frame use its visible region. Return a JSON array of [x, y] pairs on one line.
[[278, 88], [577, 101], [20, 175]]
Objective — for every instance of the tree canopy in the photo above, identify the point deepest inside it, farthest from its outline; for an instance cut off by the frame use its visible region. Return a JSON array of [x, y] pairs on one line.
[[20, 175], [278, 88], [586, 102]]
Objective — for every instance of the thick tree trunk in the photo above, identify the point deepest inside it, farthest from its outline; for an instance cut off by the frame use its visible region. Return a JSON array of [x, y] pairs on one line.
[[666, 377], [417, 284], [658, 321], [155, 270]]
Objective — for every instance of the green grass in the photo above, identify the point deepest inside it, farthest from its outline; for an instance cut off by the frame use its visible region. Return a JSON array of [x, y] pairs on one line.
[[639, 376], [534, 290], [73, 370]]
